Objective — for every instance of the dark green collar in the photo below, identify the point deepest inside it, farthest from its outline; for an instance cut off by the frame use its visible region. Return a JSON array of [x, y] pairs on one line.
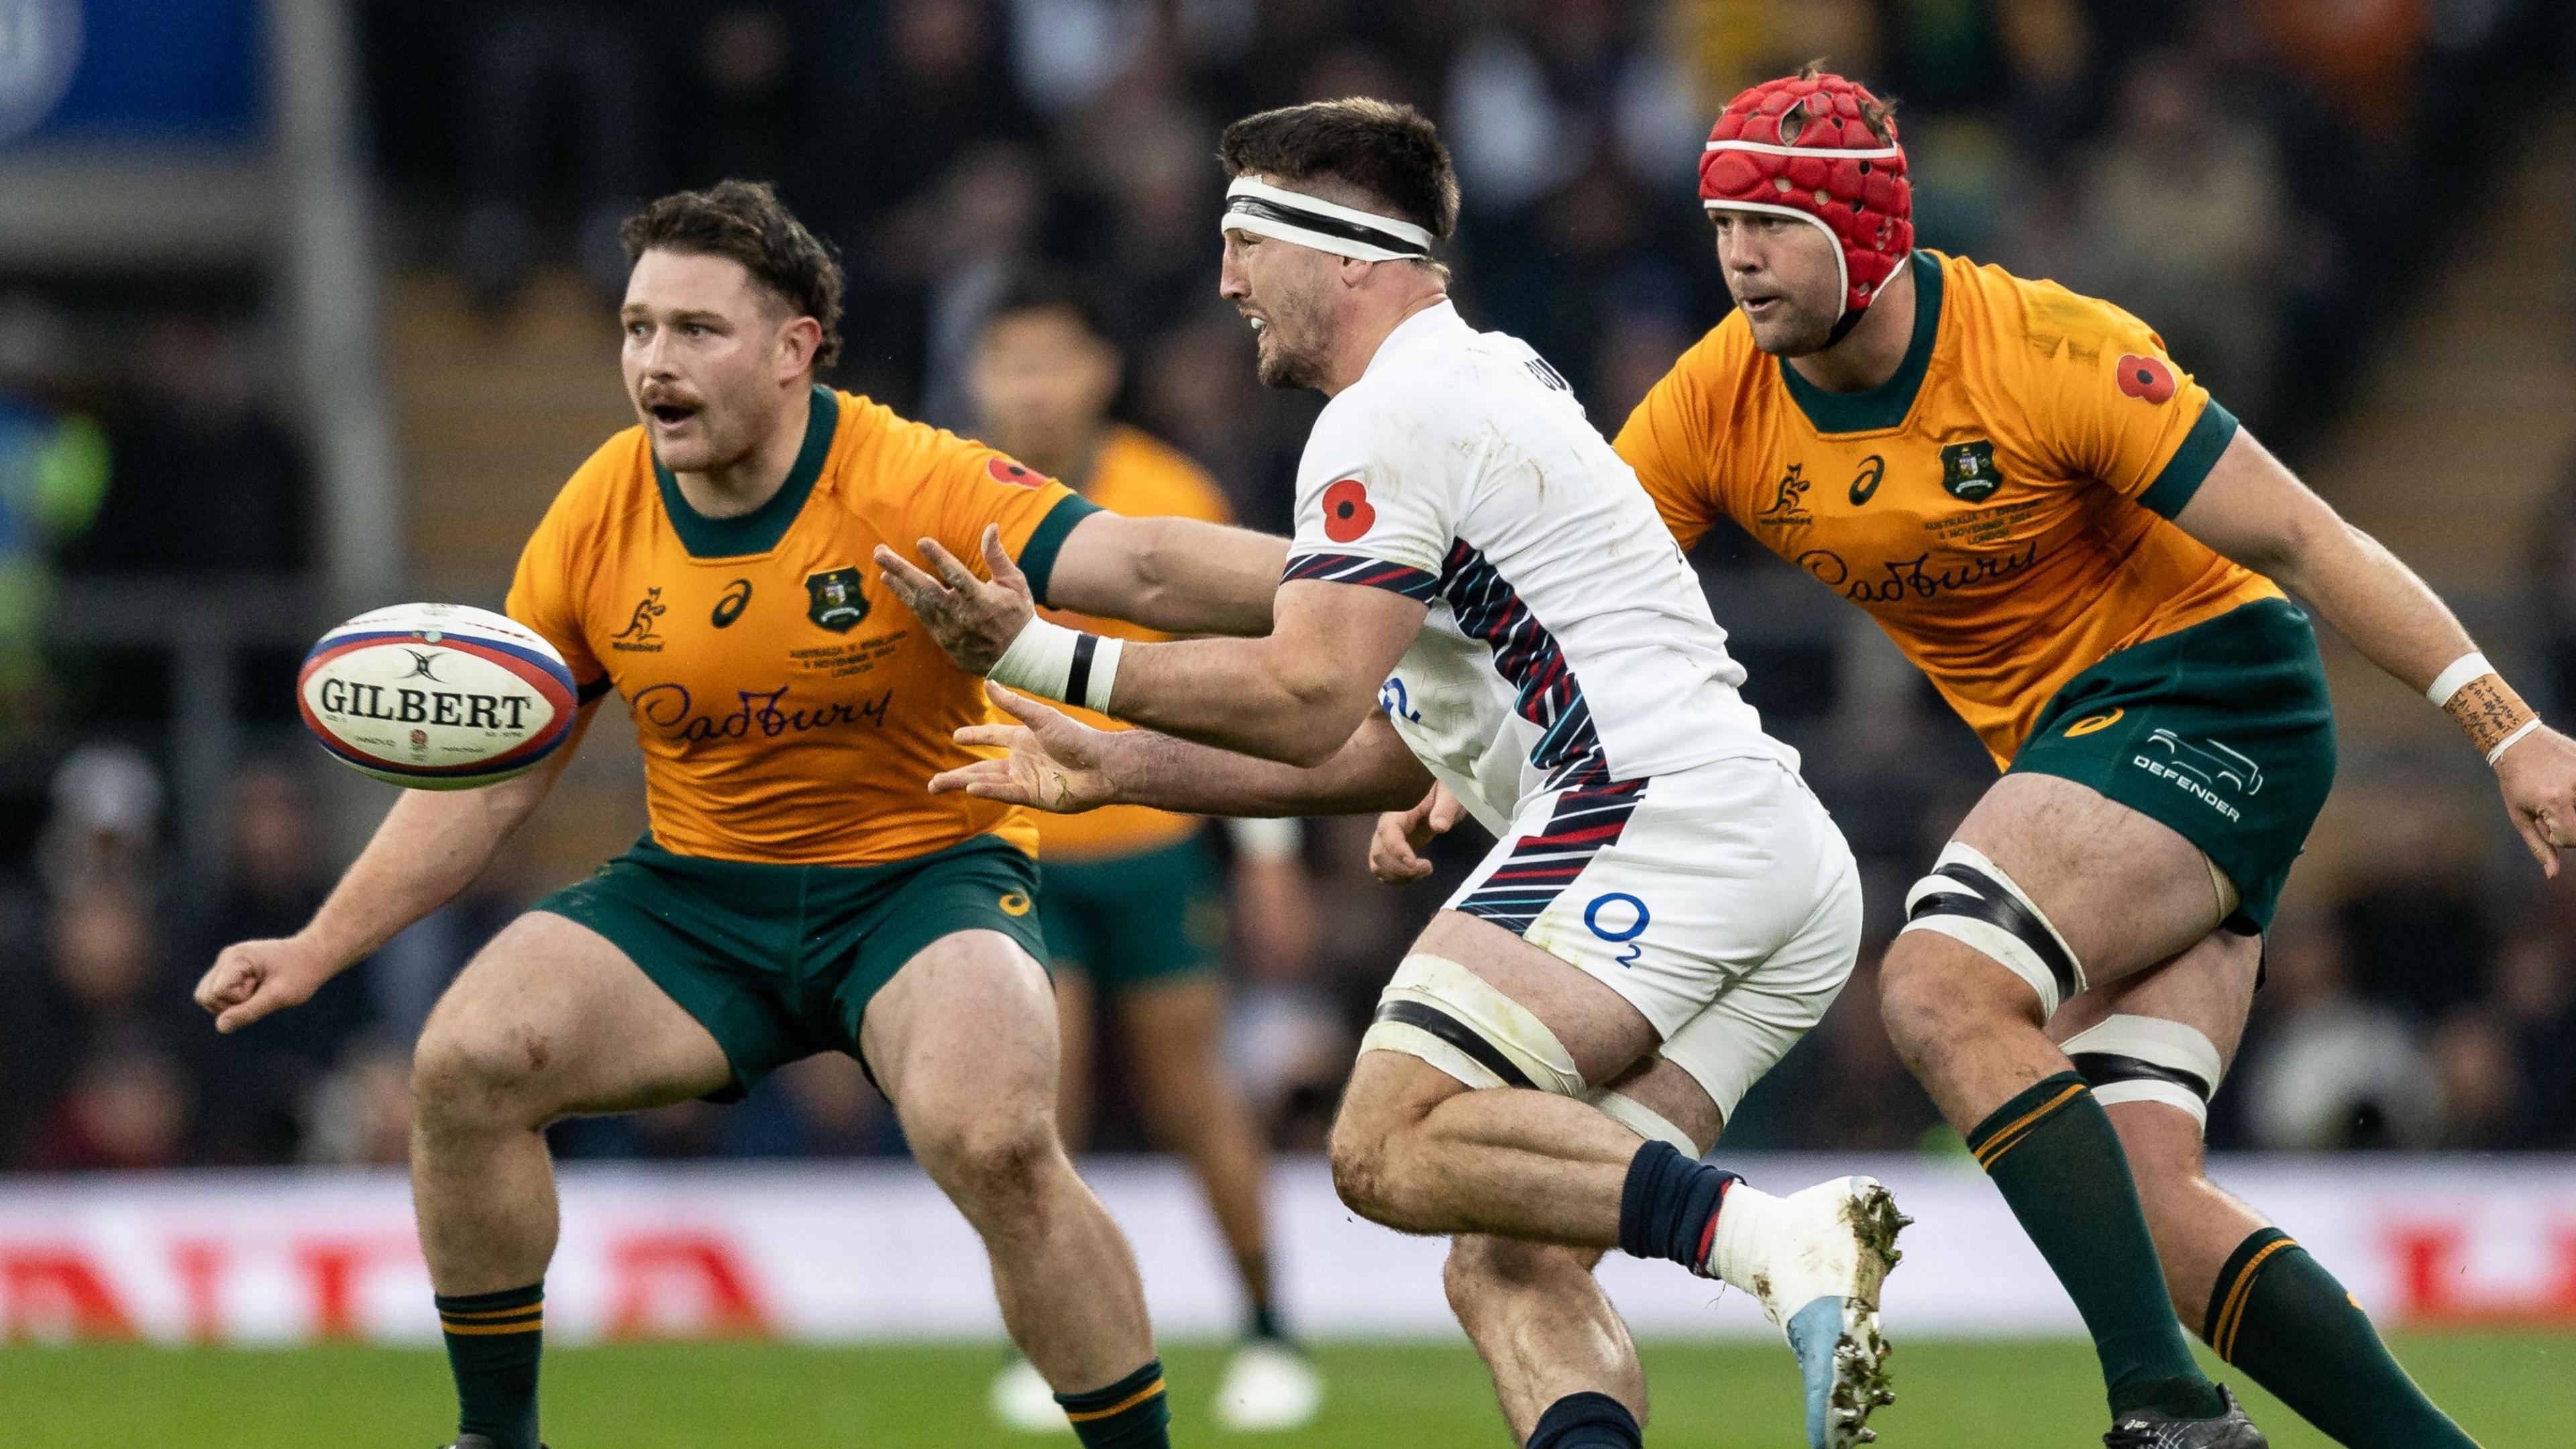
[[759, 530], [1885, 405]]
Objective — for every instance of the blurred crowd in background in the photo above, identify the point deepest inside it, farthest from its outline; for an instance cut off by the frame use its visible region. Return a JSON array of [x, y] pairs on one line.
[[2264, 182]]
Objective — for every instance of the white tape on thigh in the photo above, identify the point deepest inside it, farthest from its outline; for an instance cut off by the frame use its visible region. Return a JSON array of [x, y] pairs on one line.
[[1466, 999], [2228, 897], [1643, 1120], [2148, 1059], [2006, 947]]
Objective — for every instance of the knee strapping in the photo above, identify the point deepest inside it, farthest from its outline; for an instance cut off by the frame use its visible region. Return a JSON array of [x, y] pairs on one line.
[[1447, 1015], [1643, 1120], [2148, 1059], [1969, 899]]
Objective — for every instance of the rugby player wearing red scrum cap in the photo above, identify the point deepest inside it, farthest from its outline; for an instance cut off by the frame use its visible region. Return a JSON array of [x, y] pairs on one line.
[[2094, 564]]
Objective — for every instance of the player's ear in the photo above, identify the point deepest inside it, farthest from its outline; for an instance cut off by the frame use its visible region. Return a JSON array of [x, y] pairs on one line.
[[798, 342]]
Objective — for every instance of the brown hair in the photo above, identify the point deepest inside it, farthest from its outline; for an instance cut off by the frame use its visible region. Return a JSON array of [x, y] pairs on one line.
[[1390, 151], [746, 222], [1878, 115]]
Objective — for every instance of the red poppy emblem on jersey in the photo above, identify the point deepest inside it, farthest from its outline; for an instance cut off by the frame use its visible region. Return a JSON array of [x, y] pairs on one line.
[[1006, 471], [2145, 378], [1347, 514]]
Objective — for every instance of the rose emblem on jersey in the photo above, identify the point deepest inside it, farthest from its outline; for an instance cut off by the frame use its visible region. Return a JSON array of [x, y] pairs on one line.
[[2147, 379], [1006, 471], [1347, 513]]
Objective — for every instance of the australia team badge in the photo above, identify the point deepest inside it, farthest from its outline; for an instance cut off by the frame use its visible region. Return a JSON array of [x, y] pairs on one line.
[[1968, 471], [834, 599]]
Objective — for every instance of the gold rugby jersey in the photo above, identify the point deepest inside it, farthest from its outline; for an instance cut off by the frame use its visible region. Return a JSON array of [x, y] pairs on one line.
[[790, 710], [2002, 505]]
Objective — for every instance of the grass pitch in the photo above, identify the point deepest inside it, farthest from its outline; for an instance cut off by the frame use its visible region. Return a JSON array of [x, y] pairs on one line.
[[2513, 1391]]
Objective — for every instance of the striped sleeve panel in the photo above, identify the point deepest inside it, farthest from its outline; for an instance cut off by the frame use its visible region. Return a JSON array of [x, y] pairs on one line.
[[1375, 573]]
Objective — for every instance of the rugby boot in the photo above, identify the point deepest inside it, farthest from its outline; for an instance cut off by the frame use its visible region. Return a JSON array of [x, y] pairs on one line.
[[2154, 1429], [1022, 1400], [1816, 1260], [475, 1441], [1269, 1386]]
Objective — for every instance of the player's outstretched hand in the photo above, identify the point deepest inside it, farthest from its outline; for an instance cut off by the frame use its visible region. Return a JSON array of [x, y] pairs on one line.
[[2538, 778], [970, 618], [258, 978], [1395, 849], [1055, 763]]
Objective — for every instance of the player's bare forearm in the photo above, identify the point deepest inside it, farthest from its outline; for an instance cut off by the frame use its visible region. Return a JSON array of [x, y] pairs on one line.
[[1373, 771], [1178, 575], [430, 845], [1296, 695], [2255, 511]]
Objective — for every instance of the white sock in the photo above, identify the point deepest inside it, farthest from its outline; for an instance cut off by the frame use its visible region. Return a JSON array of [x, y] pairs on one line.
[[1747, 1222]]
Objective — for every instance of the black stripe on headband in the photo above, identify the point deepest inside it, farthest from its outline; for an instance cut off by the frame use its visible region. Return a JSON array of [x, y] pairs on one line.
[[1332, 226]]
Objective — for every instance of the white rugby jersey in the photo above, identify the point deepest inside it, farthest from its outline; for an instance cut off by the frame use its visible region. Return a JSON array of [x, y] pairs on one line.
[[1568, 644]]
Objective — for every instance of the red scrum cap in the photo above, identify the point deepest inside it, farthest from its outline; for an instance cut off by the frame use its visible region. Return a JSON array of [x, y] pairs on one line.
[[1803, 146]]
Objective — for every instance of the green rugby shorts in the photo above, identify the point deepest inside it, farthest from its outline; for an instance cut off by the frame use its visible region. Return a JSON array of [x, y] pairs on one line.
[[779, 962], [2221, 731], [1130, 920]]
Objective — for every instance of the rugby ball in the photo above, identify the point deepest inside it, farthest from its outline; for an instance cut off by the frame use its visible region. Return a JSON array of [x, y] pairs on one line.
[[436, 696]]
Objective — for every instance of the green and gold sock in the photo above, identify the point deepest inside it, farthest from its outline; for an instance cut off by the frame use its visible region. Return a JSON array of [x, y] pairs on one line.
[[493, 1341], [2053, 1154], [2280, 1316], [1133, 1413]]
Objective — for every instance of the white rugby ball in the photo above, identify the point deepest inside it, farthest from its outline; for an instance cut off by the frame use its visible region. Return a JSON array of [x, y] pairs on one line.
[[437, 696]]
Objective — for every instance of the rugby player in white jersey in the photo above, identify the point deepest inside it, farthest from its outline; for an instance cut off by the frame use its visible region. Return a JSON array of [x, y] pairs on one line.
[[1479, 593]]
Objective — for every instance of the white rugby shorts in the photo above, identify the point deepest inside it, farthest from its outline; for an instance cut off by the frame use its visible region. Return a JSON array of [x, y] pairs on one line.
[[1721, 901]]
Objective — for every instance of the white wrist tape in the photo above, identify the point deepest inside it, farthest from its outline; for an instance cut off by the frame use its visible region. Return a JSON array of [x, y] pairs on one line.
[[1263, 839], [1065, 665], [2455, 675], [2509, 741]]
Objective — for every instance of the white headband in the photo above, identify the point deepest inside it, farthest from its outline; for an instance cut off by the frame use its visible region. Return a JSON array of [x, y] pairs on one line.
[[1311, 221]]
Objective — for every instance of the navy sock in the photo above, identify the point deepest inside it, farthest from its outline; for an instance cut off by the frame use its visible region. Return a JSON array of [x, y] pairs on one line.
[[1588, 1421], [1669, 1206], [493, 1344], [1133, 1413], [1263, 1322]]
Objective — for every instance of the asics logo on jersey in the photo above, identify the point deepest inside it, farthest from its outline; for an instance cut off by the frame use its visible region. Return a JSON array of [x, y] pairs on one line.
[[2093, 723], [1347, 514], [1548, 375], [737, 597], [758, 714], [1864, 484]]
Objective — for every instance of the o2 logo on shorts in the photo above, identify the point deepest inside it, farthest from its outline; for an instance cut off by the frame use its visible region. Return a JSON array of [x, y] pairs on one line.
[[1619, 918], [1392, 698], [1014, 903]]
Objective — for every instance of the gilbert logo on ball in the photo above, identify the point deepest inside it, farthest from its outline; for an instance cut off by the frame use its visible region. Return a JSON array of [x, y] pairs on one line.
[[436, 696]]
